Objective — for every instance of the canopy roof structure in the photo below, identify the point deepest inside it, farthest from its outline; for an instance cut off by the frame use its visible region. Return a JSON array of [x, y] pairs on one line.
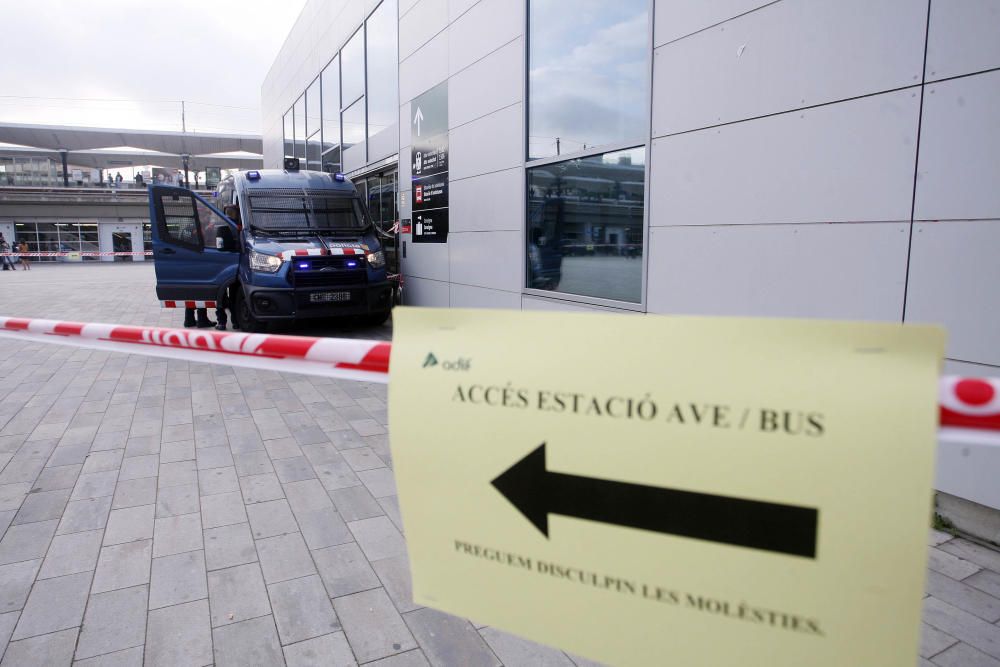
[[127, 157], [72, 139]]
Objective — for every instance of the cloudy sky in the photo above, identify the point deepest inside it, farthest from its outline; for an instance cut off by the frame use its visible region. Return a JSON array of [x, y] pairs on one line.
[[127, 64]]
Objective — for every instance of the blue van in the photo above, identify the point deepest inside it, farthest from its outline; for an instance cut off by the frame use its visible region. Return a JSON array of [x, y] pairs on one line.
[[278, 245]]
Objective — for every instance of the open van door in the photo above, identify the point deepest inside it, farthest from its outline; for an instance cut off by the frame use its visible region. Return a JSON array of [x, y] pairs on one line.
[[196, 249]]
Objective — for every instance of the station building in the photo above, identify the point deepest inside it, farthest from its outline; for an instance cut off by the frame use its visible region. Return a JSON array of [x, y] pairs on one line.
[[789, 158]]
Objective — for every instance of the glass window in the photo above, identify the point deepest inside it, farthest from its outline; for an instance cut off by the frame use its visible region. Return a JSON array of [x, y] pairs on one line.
[[313, 149], [331, 161], [354, 124], [383, 108], [588, 75], [331, 105], [180, 224], [312, 108], [352, 69], [585, 220], [300, 127], [289, 134]]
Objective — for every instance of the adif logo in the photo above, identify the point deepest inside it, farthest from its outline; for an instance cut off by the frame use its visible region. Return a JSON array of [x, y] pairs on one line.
[[456, 365]]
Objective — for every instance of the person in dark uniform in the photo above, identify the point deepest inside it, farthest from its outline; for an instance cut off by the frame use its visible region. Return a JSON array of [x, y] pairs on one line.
[[202, 321]]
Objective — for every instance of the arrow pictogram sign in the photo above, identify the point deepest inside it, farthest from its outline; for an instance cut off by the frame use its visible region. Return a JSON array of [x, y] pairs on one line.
[[537, 492]]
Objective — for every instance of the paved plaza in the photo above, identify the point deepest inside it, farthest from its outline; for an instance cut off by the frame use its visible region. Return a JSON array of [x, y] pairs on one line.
[[170, 513]]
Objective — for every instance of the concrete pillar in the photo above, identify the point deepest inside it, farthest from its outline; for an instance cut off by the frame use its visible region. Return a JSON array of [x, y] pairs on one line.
[[65, 164]]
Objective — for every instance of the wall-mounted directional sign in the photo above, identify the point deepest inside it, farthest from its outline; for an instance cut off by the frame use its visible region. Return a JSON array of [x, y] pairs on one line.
[[700, 492], [429, 165]]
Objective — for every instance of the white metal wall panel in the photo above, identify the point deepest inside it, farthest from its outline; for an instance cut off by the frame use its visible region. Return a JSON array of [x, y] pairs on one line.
[[406, 5], [425, 260], [464, 296], [458, 7], [423, 70], [404, 125], [959, 176], [488, 144], [354, 157], [484, 28], [786, 56], [838, 271], [384, 144], [492, 83], [541, 303], [954, 276], [423, 292], [964, 37], [850, 161], [673, 19], [486, 259], [493, 202], [416, 28]]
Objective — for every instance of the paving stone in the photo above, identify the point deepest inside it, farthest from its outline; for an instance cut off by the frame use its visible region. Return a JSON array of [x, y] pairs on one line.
[[322, 453], [950, 565], [222, 509], [176, 534], [963, 626], [261, 488], [175, 500], [378, 537], [15, 584], [95, 485], [143, 441], [363, 458], [323, 527], [237, 594], [134, 492], [81, 515], [177, 433], [218, 480], [302, 609], [130, 524], [54, 604], [379, 481], [271, 518], [138, 467], [7, 623], [52, 649], [355, 502], [975, 553], [252, 463], [284, 557], [336, 475], [395, 576], [172, 452], [390, 504], [102, 461], [253, 642], [179, 635], [176, 474], [293, 470], [177, 579], [283, 448], [70, 554], [230, 545], [21, 470], [12, 495], [123, 566], [449, 640], [307, 495], [130, 657], [986, 581], [963, 655], [27, 541], [5, 519], [345, 570], [110, 440], [42, 506], [373, 626], [346, 439], [517, 651], [59, 477], [214, 457], [329, 650], [114, 621], [367, 427], [933, 641], [963, 596], [413, 658]]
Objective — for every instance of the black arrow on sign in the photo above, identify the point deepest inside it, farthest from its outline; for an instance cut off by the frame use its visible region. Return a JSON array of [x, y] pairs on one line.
[[537, 492]]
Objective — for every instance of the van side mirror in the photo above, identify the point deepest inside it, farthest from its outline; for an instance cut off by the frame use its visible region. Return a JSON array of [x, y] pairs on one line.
[[225, 239]]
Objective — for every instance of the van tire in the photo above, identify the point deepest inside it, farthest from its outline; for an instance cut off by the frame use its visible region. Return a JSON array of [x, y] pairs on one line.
[[244, 318]]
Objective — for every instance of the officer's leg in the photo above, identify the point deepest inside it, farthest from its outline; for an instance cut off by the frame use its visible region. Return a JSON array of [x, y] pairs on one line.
[[189, 317], [203, 321]]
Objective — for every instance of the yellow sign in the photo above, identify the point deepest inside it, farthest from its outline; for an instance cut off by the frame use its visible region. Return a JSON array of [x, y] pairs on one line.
[[669, 490]]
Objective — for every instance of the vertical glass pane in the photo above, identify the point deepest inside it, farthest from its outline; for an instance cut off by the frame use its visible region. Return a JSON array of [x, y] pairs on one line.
[[331, 104], [383, 109], [354, 124], [300, 127], [313, 108], [331, 161], [585, 226], [587, 78], [374, 200], [289, 134], [313, 149], [352, 70]]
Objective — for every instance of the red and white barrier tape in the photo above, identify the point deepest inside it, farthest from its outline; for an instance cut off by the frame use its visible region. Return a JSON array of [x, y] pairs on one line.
[[187, 304], [81, 254], [965, 403], [363, 360]]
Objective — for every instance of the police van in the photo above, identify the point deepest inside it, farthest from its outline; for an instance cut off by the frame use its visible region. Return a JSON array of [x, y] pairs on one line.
[[277, 245]]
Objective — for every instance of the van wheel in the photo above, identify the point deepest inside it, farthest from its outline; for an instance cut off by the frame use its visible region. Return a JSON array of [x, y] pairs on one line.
[[244, 318], [375, 319]]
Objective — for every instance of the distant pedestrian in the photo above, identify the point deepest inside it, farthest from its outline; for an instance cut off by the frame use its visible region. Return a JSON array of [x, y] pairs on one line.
[[138, 179], [25, 260], [118, 178], [5, 251]]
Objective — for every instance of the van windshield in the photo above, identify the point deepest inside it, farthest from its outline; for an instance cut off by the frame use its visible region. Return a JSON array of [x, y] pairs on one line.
[[298, 210]]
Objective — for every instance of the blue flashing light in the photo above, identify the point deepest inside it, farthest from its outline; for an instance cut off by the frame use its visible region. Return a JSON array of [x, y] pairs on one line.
[[303, 265], [253, 175], [339, 177], [352, 264]]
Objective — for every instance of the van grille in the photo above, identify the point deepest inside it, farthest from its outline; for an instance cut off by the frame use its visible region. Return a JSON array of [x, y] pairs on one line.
[[330, 272]]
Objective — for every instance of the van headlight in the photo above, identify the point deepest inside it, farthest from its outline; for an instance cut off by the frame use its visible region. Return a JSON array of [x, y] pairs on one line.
[[264, 263], [376, 260]]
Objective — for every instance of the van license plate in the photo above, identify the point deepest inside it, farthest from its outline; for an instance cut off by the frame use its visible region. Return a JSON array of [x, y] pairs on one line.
[[329, 297]]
